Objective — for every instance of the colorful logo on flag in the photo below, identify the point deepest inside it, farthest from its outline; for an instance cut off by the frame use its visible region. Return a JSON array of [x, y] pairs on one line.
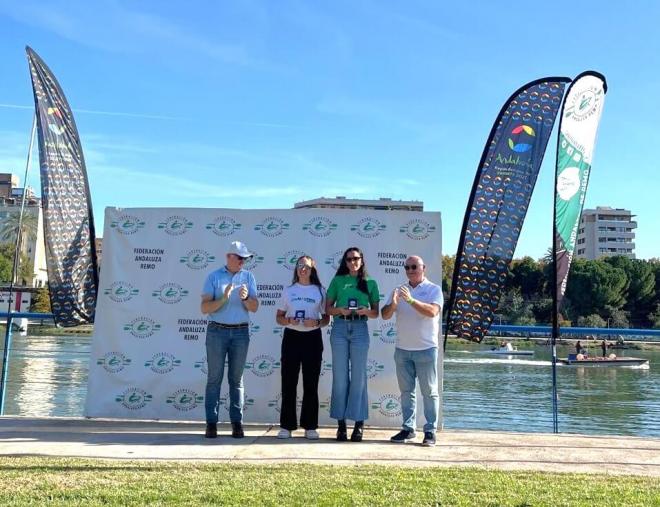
[[55, 116], [521, 139]]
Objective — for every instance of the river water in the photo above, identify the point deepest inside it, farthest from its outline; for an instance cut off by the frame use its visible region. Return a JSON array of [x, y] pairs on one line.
[[48, 377]]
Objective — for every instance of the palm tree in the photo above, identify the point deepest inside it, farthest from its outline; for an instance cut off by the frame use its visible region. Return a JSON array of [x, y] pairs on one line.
[[10, 224], [9, 231]]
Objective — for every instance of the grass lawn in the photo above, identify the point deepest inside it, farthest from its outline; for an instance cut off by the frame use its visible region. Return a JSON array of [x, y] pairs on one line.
[[68, 481]]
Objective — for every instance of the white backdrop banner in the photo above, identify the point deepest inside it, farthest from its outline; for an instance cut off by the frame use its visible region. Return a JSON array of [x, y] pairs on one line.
[[148, 353]]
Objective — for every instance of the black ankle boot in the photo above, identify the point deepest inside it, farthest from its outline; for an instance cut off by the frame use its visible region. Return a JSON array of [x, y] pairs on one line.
[[342, 433], [358, 430], [237, 430]]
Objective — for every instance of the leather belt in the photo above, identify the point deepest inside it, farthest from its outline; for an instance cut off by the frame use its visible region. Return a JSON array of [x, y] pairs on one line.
[[220, 325], [353, 317]]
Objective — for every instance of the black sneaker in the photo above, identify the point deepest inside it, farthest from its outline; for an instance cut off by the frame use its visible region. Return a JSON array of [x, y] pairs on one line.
[[403, 436], [237, 430], [429, 439], [342, 435], [211, 430]]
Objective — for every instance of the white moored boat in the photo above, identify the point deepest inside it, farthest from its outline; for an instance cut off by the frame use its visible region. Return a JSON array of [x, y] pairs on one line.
[[508, 350]]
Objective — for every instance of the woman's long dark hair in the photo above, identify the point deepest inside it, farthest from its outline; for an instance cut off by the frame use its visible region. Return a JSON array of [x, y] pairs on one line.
[[362, 272], [313, 274]]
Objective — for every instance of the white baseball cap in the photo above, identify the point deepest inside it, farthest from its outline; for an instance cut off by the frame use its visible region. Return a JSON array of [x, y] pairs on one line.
[[239, 248]]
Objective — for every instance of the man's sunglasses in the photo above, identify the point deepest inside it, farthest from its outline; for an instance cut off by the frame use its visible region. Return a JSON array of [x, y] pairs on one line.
[[411, 267], [353, 259]]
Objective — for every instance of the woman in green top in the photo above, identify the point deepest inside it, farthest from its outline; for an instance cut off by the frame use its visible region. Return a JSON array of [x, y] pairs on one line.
[[352, 298]]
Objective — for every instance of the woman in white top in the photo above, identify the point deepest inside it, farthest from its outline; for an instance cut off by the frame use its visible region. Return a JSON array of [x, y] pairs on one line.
[[302, 312]]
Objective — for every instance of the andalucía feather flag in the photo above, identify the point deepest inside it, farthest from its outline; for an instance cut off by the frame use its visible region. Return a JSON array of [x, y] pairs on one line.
[[67, 206], [578, 125], [498, 203]]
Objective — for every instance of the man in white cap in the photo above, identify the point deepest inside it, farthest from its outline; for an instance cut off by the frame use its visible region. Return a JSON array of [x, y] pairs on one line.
[[228, 295], [418, 306]]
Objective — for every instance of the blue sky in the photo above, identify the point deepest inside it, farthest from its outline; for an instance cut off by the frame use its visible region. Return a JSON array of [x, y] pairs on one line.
[[257, 104]]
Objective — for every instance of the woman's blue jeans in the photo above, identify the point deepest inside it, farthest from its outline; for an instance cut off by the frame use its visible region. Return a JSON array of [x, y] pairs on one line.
[[349, 340]]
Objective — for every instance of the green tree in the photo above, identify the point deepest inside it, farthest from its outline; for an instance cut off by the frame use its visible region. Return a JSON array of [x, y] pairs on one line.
[[10, 226], [41, 301], [515, 309], [593, 285], [593, 320], [640, 292], [8, 232], [448, 262], [617, 317], [527, 275], [654, 317]]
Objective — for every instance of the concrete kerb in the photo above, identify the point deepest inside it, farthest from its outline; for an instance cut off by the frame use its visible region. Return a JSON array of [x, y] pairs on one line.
[[184, 441]]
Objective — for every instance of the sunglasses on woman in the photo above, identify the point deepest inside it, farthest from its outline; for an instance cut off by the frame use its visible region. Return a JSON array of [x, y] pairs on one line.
[[353, 259]]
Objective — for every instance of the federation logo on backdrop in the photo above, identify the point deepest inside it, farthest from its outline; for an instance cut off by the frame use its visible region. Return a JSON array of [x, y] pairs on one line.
[[170, 293], [134, 398], [113, 362], [162, 363], [584, 103], [276, 403], [374, 368], [288, 260], [224, 226], [55, 121], [253, 261], [120, 292], [272, 226], [185, 399], [522, 138], [368, 227], [202, 365], [142, 327], [263, 365], [388, 405], [568, 183], [176, 225], [127, 224], [417, 229], [197, 259], [320, 227], [334, 260], [386, 332]]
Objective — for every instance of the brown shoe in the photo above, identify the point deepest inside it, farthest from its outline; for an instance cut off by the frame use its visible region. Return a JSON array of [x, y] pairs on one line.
[[211, 430]]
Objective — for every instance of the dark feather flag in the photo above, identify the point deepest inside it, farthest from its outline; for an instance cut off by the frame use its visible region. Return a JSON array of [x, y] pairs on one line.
[[578, 125], [67, 207], [498, 203]]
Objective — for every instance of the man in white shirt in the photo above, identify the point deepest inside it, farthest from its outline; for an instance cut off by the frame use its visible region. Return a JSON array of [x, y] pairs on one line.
[[418, 306]]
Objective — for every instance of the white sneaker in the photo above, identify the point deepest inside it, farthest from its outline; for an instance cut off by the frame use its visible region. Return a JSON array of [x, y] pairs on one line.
[[311, 434], [284, 433]]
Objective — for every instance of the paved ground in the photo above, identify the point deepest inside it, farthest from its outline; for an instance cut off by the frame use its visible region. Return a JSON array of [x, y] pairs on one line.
[[23, 436]]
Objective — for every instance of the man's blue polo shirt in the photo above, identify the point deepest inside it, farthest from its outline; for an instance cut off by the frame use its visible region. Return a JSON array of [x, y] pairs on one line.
[[233, 311]]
